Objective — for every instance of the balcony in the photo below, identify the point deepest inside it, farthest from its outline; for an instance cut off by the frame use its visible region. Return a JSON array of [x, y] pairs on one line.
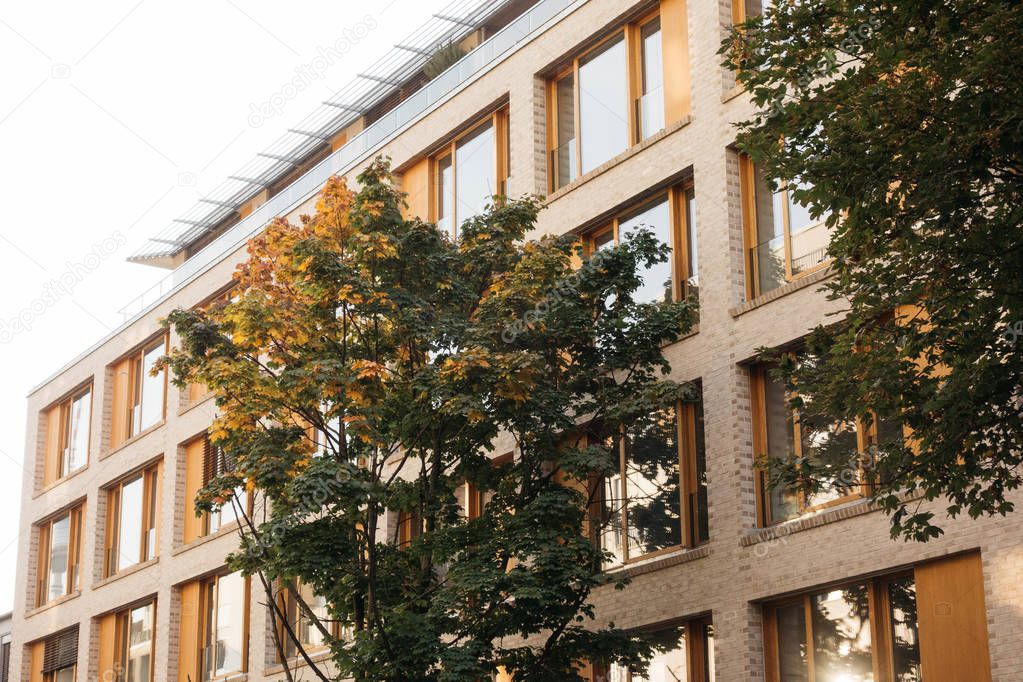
[[520, 31]]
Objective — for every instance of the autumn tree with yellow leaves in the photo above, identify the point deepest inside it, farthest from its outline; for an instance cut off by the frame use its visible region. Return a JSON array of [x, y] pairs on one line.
[[367, 368]]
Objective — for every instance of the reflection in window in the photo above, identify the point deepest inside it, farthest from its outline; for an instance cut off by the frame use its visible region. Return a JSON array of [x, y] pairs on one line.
[[651, 102], [76, 441], [682, 652], [657, 278], [905, 642], [224, 625], [305, 629], [603, 104], [137, 644], [131, 519], [565, 154], [841, 635], [652, 499], [60, 538], [837, 623], [58, 559], [783, 241], [147, 390]]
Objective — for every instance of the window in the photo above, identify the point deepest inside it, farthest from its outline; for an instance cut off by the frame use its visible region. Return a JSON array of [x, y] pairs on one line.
[[224, 630], [470, 170], [779, 433], [783, 242], [131, 521], [668, 216], [59, 656], [684, 652], [203, 463], [309, 635], [846, 633], [59, 550], [67, 437], [744, 10], [5, 658], [135, 643], [658, 499], [618, 93], [139, 397]]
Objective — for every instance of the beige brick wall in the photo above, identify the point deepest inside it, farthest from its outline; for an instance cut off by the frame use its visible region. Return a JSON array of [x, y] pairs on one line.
[[726, 577]]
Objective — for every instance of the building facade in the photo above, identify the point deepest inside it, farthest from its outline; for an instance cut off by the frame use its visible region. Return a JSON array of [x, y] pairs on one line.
[[620, 113]]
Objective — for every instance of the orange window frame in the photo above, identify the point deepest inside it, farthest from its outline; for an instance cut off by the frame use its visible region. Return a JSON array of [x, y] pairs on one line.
[[630, 33], [207, 605], [866, 435], [879, 610], [63, 412], [499, 119], [75, 516], [748, 193], [679, 229], [698, 638], [122, 638], [150, 539], [685, 421], [135, 383]]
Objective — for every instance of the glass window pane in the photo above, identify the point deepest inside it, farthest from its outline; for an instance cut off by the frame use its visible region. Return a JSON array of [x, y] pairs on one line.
[[841, 635], [791, 622], [475, 169], [445, 195], [129, 535], [140, 644], [652, 485], [905, 637], [60, 533], [151, 411], [308, 633], [64, 675], [603, 105], [809, 237], [564, 155], [769, 251], [669, 662], [693, 272], [657, 279], [651, 103], [611, 537], [78, 435], [783, 501], [229, 626], [701, 529]]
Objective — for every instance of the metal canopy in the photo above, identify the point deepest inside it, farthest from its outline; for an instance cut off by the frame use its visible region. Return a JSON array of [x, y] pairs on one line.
[[402, 62]]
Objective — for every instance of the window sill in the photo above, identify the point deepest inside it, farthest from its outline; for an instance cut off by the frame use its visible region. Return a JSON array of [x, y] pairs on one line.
[[191, 544], [675, 557], [615, 160], [53, 484], [125, 573], [51, 604], [137, 437], [296, 662], [732, 93], [809, 280]]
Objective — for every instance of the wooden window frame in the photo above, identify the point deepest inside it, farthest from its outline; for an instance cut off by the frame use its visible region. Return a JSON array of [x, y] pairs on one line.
[[878, 615], [499, 119], [75, 514], [698, 631], [121, 639], [207, 590], [57, 641], [134, 398], [630, 33], [866, 436], [214, 464], [748, 193], [62, 411], [686, 444], [679, 229], [289, 606], [150, 476]]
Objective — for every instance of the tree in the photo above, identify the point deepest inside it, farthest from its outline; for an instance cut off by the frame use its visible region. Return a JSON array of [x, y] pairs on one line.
[[365, 367], [902, 122]]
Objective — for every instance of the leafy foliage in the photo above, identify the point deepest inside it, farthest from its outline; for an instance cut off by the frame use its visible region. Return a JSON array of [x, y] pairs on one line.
[[364, 373], [903, 120]]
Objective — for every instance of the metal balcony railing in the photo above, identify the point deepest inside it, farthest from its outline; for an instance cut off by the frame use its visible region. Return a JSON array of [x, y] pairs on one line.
[[358, 148]]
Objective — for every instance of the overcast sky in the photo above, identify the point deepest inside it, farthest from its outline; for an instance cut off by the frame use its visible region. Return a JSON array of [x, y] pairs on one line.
[[114, 118]]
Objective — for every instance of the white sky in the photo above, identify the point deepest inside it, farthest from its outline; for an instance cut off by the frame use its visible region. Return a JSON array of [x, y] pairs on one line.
[[114, 118]]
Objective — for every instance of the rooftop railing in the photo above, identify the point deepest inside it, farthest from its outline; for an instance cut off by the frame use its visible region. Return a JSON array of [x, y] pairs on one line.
[[358, 148]]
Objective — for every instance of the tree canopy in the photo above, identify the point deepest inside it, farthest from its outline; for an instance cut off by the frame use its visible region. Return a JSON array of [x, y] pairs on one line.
[[367, 368], [903, 123]]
